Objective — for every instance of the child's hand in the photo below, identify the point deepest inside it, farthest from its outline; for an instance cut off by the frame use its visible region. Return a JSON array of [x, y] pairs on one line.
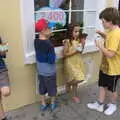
[[2, 52], [82, 41], [102, 34], [98, 32], [64, 41], [83, 38], [99, 43], [79, 45], [97, 37], [4, 47]]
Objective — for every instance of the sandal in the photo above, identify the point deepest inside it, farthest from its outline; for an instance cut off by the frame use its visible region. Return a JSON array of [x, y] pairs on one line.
[[43, 107], [53, 106]]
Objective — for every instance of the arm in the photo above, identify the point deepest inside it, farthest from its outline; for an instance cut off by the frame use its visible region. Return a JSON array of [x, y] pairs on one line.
[[108, 53], [112, 45], [51, 56], [70, 53], [3, 49], [66, 51], [83, 38], [102, 34], [3, 54]]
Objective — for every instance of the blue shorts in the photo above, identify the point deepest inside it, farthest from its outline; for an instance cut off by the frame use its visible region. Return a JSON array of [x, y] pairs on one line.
[[47, 84]]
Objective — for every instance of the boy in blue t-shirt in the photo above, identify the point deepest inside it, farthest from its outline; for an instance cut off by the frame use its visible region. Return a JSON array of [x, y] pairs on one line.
[[45, 58]]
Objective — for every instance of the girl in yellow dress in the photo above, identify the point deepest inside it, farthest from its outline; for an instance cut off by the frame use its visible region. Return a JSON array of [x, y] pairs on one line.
[[73, 64]]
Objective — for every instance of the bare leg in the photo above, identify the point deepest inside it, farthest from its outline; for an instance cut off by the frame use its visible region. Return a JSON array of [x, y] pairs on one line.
[[42, 100], [113, 96], [75, 94], [74, 89], [53, 100], [4, 91], [68, 87], [53, 103], [102, 95], [2, 114]]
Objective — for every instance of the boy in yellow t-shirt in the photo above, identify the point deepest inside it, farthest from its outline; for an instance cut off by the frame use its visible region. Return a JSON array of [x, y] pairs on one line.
[[110, 67]]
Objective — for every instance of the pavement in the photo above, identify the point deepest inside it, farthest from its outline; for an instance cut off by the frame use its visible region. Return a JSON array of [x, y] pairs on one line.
[[67, 110]]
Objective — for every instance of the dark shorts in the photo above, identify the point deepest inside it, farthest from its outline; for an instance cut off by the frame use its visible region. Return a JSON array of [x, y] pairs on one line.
[[47, 84], [4, 79], [108, 81]]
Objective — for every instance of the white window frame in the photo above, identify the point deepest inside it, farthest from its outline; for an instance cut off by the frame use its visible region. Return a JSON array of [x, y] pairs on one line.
[[115, 3], [28, 28]]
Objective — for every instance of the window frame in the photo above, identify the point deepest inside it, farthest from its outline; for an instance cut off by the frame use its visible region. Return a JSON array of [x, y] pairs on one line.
[[70, 11], [116, 3], [28, 29]]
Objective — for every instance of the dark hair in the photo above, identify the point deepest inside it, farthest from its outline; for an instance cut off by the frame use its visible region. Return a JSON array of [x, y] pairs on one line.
[[0, 40], [111, 14], [70, 28], [70, 32]]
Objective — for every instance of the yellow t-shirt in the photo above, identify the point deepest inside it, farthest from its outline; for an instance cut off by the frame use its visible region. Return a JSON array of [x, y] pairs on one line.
[[111, 66]]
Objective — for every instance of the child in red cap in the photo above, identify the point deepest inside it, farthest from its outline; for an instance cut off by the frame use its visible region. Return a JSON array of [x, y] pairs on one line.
[[40, 25], [45, 58]]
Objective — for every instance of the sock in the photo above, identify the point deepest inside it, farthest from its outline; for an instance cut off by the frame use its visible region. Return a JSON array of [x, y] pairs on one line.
[[100, 103], [114, 103]]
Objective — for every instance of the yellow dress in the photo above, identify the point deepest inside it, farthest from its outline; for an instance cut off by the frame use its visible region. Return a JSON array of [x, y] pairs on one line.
[[73, 65]]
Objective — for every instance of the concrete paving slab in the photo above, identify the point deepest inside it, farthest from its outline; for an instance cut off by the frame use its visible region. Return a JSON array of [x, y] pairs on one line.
[[70, 111]]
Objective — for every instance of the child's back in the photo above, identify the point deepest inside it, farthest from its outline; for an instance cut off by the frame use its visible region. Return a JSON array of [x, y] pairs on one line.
[[45, 57]]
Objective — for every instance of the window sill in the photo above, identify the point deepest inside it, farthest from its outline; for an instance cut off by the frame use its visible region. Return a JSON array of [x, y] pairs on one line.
[[89, 48]]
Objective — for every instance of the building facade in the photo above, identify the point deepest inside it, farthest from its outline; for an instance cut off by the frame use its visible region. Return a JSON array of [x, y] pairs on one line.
[[17, 27]]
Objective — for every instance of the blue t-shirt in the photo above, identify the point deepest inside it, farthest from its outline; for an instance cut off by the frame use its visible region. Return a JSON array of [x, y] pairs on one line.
[[2, 63], [45, 57]]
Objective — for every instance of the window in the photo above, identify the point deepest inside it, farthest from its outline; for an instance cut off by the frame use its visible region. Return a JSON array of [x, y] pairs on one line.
[[76, 11], [84, 12]]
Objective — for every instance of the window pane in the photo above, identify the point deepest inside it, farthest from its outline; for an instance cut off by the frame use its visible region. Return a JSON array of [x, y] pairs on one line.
[[90, 18], [53, 11], [90, 4], [77, 4], [40, 3], [64, 4], [77, 17], [62, 18], [91, 33]]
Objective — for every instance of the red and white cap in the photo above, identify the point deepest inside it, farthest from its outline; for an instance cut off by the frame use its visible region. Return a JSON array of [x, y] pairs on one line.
[[41, 24]]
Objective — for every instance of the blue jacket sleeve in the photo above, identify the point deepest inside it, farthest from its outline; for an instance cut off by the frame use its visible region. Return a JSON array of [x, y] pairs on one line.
[[51, 56]]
